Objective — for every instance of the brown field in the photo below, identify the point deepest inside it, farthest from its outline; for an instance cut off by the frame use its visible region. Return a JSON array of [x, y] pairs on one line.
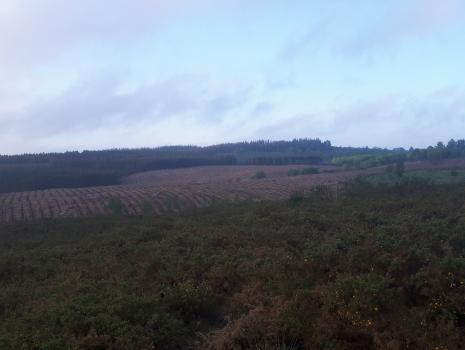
[[181, 189], [215, 174]]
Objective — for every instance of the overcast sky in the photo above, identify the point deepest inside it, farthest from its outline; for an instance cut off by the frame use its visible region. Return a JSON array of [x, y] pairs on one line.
[[87, 74]]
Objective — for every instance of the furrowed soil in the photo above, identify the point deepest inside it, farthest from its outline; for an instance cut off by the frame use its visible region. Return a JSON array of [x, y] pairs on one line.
[[175, 190]]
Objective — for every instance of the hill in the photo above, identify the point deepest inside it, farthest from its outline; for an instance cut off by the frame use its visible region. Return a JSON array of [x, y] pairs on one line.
[[31, 172], [175, 190]]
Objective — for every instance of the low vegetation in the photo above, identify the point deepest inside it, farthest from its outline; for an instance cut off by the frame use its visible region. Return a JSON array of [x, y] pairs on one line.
[[304, 171], [259, 175], [453, 149], [393, 177], [369, 267]]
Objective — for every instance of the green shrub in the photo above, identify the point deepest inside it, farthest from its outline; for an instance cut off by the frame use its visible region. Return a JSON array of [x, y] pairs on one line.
[[147, 208], [361, 299], [389, 169], [295, 199], [400, 169], [307, 171], [293, 172], [304, 171], [116, 206], [259, 175]]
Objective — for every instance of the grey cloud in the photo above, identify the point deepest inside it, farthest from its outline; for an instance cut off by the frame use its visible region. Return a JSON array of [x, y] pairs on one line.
[[392, 120], [376, 111], [300, 125], [33, 31], [262, 108], [99, 104], [216, 107]]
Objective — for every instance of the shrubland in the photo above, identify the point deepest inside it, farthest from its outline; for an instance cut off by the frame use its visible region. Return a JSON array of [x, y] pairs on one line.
[[373, 266]]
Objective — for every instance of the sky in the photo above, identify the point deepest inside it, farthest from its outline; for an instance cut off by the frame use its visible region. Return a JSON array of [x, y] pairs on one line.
[[86, 74]]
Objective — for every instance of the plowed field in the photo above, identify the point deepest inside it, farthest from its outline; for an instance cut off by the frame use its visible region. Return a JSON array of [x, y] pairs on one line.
[[176, 190]]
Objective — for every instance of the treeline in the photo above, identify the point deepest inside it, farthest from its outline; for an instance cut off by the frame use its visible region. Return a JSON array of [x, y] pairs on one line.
[[96, 168], [83, 171], [453, 149]]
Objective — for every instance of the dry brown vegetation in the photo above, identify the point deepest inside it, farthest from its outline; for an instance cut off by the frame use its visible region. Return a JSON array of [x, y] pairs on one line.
[[181, 189], [212, 174]]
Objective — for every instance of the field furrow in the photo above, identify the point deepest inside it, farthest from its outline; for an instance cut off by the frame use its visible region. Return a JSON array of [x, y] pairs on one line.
[[176, 190]]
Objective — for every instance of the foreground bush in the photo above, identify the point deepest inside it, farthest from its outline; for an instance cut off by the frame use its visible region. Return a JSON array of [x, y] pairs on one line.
[[370, 268]]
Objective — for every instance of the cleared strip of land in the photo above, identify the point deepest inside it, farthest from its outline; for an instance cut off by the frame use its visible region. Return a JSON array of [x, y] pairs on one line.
[[180, 189]]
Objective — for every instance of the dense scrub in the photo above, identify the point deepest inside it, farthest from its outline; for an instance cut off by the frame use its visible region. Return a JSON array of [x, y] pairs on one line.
[[453, 149], [375, 267], [431, 176]]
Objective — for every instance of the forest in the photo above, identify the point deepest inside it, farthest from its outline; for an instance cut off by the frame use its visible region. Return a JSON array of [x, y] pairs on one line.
[[96, 168], [368, 267]]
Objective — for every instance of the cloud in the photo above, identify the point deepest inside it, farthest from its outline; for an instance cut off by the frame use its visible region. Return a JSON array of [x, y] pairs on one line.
[[405, 19], [420, 16], [262, 108], [300, 125], [100, 104], [100, 115], [216, 107], [391, 121], [224, 83], [32, 32], [398, 120], [341, 29]]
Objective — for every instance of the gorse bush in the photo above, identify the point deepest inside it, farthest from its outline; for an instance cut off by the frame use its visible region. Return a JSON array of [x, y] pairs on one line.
[[374, 267], [293, 172], [361, 299], [296, 198], [304, 171], [116, 206], [259, 175]]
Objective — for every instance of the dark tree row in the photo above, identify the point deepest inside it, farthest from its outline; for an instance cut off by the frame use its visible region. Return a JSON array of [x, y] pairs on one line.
[[62, 172], [95, 168]]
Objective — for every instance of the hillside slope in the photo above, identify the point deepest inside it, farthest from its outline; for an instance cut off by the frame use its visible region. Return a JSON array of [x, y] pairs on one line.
[[374, 268], [164, 191]]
